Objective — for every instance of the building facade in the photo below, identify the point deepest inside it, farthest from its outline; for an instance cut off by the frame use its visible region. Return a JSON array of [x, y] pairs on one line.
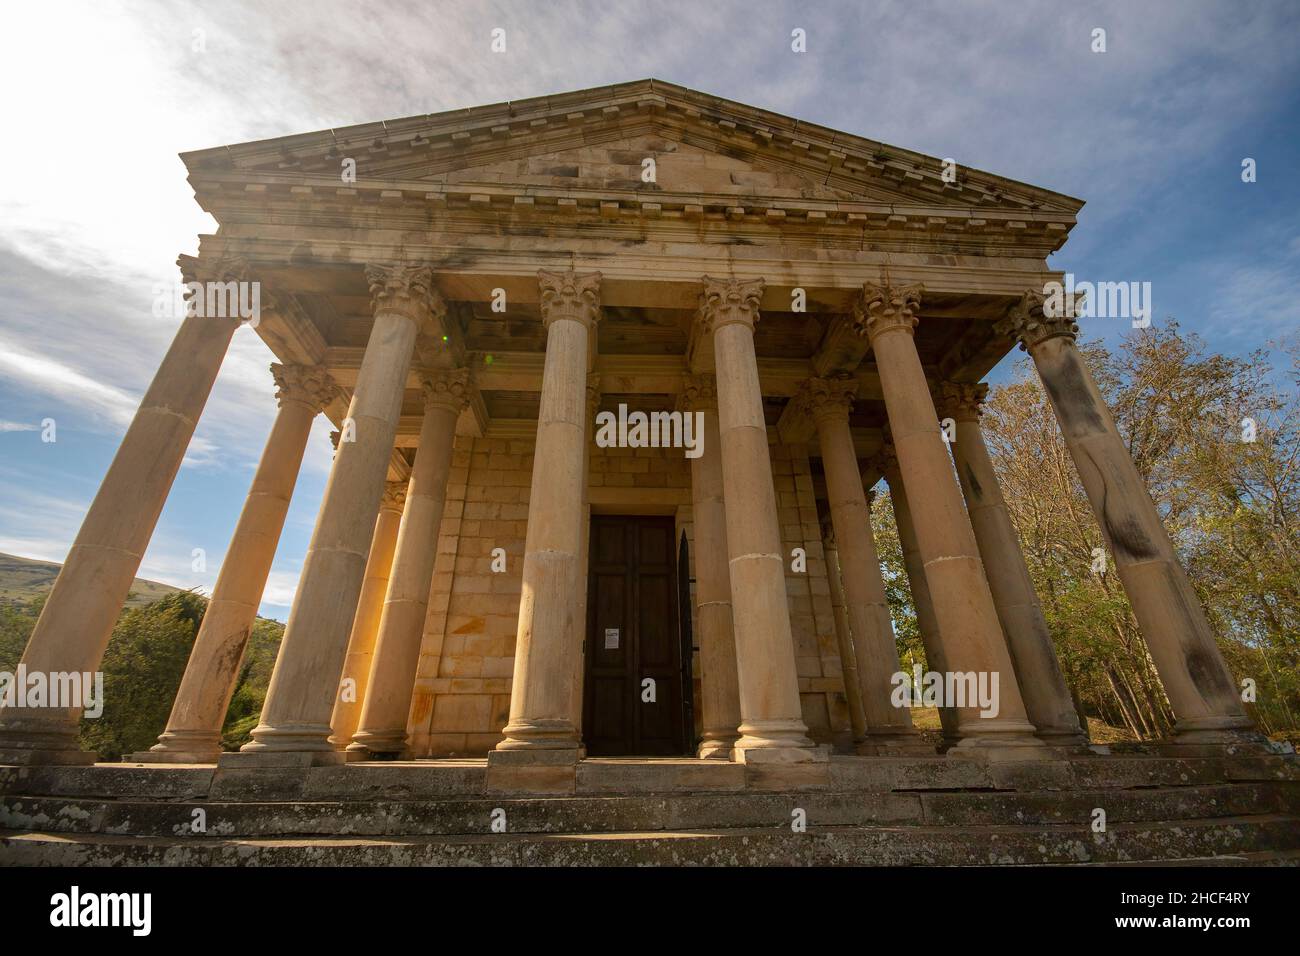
[[791, 310]]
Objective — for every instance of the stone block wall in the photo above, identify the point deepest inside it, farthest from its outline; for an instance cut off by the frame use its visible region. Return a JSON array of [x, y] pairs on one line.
[[462, 692]]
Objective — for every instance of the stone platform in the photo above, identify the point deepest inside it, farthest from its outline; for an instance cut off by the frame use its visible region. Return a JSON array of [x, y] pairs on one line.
[[867, 811]]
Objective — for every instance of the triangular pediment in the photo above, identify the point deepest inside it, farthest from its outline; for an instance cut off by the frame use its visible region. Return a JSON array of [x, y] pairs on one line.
[[599, 139]]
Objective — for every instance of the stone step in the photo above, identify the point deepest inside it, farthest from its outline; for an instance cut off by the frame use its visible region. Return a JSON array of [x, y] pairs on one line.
[[857, 846], [431, 779], [595, 814]]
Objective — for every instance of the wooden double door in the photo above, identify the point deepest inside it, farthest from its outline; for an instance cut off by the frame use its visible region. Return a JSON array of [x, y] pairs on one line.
[[637, 684]]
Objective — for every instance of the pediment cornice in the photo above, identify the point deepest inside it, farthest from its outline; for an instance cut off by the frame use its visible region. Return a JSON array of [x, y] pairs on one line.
[[395, 151]]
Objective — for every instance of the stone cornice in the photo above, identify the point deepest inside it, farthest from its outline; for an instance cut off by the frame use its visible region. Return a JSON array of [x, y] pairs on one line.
[[729, 302], [310, 385], [569, 295], [1027, 323], [491, 130], [886, 307]]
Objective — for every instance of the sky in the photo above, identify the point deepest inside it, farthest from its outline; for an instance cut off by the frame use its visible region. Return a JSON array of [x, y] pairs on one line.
[[100, 97]]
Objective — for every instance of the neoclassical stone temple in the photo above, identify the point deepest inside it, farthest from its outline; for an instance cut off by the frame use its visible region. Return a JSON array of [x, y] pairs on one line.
[[485, 579]]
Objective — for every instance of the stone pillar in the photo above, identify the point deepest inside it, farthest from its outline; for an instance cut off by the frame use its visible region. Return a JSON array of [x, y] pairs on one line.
[[772, 727], [354, 683], [719, 687], [401, 628], [193, 733], [305, 682], [72, 632], [584, 543], [541, 699], [963, 605], [1047, 698], [926, 622], [1206, 704], [888, 728], [843, 638]]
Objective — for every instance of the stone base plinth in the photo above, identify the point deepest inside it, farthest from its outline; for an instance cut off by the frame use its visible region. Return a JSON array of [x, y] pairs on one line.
[[784, 768], [281, 759], [532, 771]]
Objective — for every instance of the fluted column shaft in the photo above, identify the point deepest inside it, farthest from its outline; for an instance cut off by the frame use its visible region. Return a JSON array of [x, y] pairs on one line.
[[962, 602], [387, 704], [1206, 704], [305, 682], [73, 629], [771, 715], [193, 733], [1047, 698], [719, 683], [541, 698], [876, 652], [354, 683]]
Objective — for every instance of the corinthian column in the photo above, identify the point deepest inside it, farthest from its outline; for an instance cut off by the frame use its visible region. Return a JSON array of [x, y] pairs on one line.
[[719, 687], [584, 543], [355, 680], [193, 733], [1047, 698], [305, 682], [401, 627], [541, 698], [973, 642], [843, 636], [888, 729], [772, 726], [72, 632], [1206, 705]]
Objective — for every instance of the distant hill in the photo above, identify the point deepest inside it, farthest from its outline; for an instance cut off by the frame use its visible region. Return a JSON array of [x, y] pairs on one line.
[[24, 579]]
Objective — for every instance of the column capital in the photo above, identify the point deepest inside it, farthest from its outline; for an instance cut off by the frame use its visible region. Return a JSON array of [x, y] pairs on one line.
[[451, 388], [309, 384], [828, 398], [828, 533], [886, 460], [699, 393], [570, 295], [728, 301], [394, 496], [1035, 319], [884, 308], [405, 288], [962, 401]]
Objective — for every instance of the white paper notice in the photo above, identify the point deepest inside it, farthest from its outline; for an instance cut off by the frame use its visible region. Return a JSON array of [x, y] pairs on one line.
[[611, 638]]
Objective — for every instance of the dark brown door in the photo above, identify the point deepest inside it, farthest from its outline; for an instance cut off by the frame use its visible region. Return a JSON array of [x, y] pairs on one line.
[[632, 639]]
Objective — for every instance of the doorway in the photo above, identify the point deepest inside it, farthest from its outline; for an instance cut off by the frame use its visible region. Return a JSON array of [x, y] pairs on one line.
[[633, 689]]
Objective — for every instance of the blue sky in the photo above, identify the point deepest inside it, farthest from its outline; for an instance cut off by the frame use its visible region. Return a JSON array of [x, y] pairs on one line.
[[100, 97]]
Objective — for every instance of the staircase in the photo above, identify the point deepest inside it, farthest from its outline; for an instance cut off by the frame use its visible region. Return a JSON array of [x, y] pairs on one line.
[[873, 812]]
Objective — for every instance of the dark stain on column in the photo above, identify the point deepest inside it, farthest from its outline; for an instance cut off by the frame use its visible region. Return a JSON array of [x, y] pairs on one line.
[[1067, 385], [976, 489], [1128, 539]]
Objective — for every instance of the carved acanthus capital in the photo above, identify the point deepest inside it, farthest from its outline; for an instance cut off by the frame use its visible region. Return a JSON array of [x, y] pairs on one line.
[[727, 302], [394, 496], [961, 401], [885, 461], [405, 288], [309, 384], [828, 398], [1035, 319], [450, 388], [882, 308], [699, 393], [570, 295]]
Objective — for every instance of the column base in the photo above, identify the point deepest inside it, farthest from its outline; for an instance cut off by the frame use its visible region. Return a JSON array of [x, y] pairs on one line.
[[40, 742], [298, 742], [716, 745], [181, 746], [544, 733], [1009, 740], [378, 746], [1218, 737], [532, 771]]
